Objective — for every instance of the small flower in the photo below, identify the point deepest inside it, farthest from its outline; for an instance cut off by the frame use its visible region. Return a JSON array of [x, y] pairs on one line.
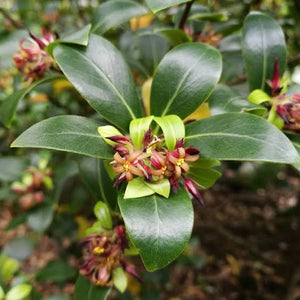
[[191, 187], [275, 83]]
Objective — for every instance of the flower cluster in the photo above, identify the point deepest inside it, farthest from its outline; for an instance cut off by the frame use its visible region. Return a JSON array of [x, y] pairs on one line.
[[32, 60], [33, 186], [102, 254], [154, 162]]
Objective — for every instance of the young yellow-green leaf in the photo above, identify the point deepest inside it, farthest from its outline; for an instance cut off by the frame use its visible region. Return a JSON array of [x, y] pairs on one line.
[[9, 267], [184, 79], [263, 42], [107, 131], [66, 133], [138, 128], [173, 129], [114, 13], [2, 295], [19, 292], [240, 136], [259, 96], [102, 213], [160, 228], [275, 119], [161, 187], [137, 188], [120, 279], [157, 5], [10, 104]]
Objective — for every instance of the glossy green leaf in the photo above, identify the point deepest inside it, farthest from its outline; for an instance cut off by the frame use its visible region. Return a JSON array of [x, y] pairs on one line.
[[162, 187], [173, 129], [10, 104], [263, 41], [209, 16], [85, 290], [258, 97], [56, 271], [114, 13], [19, 248], [174, 36], [96, 179], [66, 133], [159, 227], [102, 213], [40, 218], [224, 100], [19, 292], [120, 279], [103, 80], [295, 139], [80, 37], [240, 136], [157, 5], [204, 177], [137, 188], [11, 168], [138, 128], [184, 79], [108, 130]]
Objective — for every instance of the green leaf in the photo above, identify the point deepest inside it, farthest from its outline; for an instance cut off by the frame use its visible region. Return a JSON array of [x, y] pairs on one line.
[[12, 168], [120, 279], [184, 79], [236, 136], [2, 295], [225, 100], [157, 5], [263, 41], [161, 187], [56, 271], [80, 37], [209, 16], [65, 133], [173, 129], [19, 248], [174, 36], [85, 290], [258, 97], [57, 297], [138, 128], [10, 104], [19, 292], [40, 218], [95, 177], [102, 213], [295, 139], [204, 177], [108, 130], [159, 227], [103, 80], [114, 13], [137, 188], [8, 267]]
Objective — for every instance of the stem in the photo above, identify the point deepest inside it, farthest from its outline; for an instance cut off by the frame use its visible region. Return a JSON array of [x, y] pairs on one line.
[[12, 21], [185, 14]]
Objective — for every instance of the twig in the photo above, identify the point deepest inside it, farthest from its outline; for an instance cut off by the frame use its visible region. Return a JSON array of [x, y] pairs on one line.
[[12, 21], [185, 14]]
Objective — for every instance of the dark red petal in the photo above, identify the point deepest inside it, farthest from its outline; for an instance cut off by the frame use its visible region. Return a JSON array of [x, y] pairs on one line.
[[130, 269], [179, 143], [147, 137], [120, 179], [174, 184], [192, 150], [191, 187], [276, 75], [41, 44], [120, 139], [120, 149]]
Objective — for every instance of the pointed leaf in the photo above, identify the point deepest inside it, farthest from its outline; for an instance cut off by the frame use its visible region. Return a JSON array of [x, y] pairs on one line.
[[258, 97], [138, 128], [102, 213], [85, 290], [101, 75], [263, 41], [161, 187], [10, 104], [114, 13], [240, 136], [120, 279], [174, 36], [19, 292], [107, 131], [66, 133], [173, 129], [204, 177], [137, 188], [184, 79], [157, 5], [159, 227]]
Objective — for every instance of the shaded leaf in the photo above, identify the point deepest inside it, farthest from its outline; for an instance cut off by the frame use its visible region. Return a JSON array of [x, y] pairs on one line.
[[157, 5], [40, 218], [19, 248]]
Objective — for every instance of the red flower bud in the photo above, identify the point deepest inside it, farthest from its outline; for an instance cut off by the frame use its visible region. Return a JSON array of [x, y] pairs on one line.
[[120, 139], [191, 187]]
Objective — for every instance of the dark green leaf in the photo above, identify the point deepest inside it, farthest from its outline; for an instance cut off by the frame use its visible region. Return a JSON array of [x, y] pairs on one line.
[[114, 13], [66, 133], [16, 221], [159, 227], [184, 79], [40, 218], [85, 290], [12, 168], [174, 36], [9, 105], [157, 5], [57, 297], [56, 271], [240, 136], [224, 100], [103, 80], [295, 139], [263, 41], [19, 248], [204, 177]]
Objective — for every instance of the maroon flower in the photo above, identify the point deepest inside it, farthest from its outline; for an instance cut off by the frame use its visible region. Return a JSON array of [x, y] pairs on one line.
[[191, 187]]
